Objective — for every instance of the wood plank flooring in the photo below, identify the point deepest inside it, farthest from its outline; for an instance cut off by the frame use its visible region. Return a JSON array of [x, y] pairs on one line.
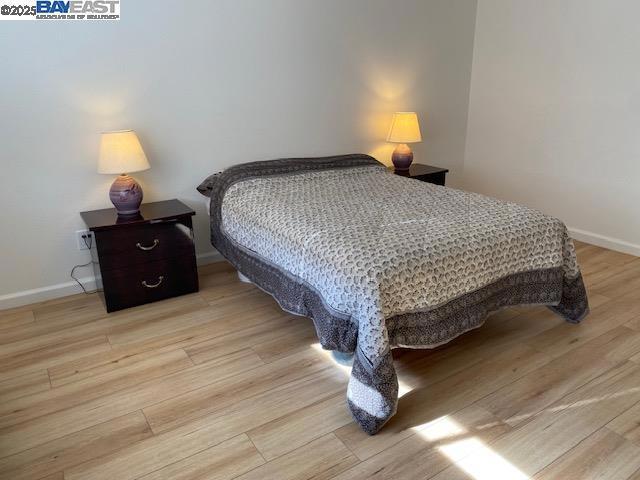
[[223, 385]]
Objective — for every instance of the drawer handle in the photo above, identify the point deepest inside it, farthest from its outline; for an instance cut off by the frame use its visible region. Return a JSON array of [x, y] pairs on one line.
[[146, 249], [153, 285]]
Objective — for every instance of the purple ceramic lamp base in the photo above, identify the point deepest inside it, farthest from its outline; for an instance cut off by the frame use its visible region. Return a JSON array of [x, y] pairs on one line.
[[402, 157], [126, 195]]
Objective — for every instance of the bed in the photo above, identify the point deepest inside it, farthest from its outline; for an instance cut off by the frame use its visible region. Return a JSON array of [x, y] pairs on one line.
[[379, 261]]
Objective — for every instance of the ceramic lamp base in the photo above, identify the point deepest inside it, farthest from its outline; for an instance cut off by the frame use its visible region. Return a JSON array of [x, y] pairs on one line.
[[126, 195], [402, 157]]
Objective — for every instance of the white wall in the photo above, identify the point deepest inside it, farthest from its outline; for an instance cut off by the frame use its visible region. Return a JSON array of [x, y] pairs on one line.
[[554, 114], [207, 84]]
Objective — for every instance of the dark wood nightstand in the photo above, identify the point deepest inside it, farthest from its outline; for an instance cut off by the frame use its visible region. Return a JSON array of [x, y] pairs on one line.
[[425, 173], [144, 258]]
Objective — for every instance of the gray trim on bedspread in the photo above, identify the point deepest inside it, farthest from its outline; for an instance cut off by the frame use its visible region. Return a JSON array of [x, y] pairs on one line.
[[379, 383]]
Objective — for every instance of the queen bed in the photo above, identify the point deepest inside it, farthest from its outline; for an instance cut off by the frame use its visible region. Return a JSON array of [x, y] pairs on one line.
[[379, 261]]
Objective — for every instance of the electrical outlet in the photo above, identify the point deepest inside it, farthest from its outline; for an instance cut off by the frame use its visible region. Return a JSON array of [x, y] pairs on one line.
[[83, 239]]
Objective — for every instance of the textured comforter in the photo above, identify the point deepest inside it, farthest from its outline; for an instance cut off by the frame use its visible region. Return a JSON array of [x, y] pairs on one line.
[[380, 261]]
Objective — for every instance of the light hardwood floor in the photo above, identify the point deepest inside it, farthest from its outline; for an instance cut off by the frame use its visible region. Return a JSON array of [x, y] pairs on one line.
[[222, 384]]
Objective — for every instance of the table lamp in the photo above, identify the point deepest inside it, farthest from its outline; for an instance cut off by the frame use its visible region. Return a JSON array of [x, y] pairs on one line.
[[121, 153], [404, 129]]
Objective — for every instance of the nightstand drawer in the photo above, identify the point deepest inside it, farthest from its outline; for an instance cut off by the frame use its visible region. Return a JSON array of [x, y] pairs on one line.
[[145, 243], [147, 282]]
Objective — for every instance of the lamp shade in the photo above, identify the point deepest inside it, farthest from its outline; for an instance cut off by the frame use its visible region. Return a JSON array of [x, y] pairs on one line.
[[121, 152], [404, 128]]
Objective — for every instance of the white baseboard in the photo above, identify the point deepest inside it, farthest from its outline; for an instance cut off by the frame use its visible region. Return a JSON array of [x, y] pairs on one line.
[[605, 242], [26, 297]]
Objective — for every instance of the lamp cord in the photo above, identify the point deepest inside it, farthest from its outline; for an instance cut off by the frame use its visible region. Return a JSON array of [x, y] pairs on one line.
[[73, 270]]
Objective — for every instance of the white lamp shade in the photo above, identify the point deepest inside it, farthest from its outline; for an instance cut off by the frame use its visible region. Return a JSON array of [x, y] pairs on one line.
[[121, 152], [404, 128]]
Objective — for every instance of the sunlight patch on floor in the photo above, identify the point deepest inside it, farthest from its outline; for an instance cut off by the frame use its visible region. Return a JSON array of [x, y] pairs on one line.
[[480, 462], [588, 401], [403, 388], [469, 454], [440, 429], [567, 406]]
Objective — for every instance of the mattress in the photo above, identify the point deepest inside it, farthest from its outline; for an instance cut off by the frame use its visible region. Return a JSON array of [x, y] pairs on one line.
[[380, 261]]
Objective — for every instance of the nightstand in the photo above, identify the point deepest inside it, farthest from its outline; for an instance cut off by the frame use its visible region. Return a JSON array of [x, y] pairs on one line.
[[144, 258], [425, 173]]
